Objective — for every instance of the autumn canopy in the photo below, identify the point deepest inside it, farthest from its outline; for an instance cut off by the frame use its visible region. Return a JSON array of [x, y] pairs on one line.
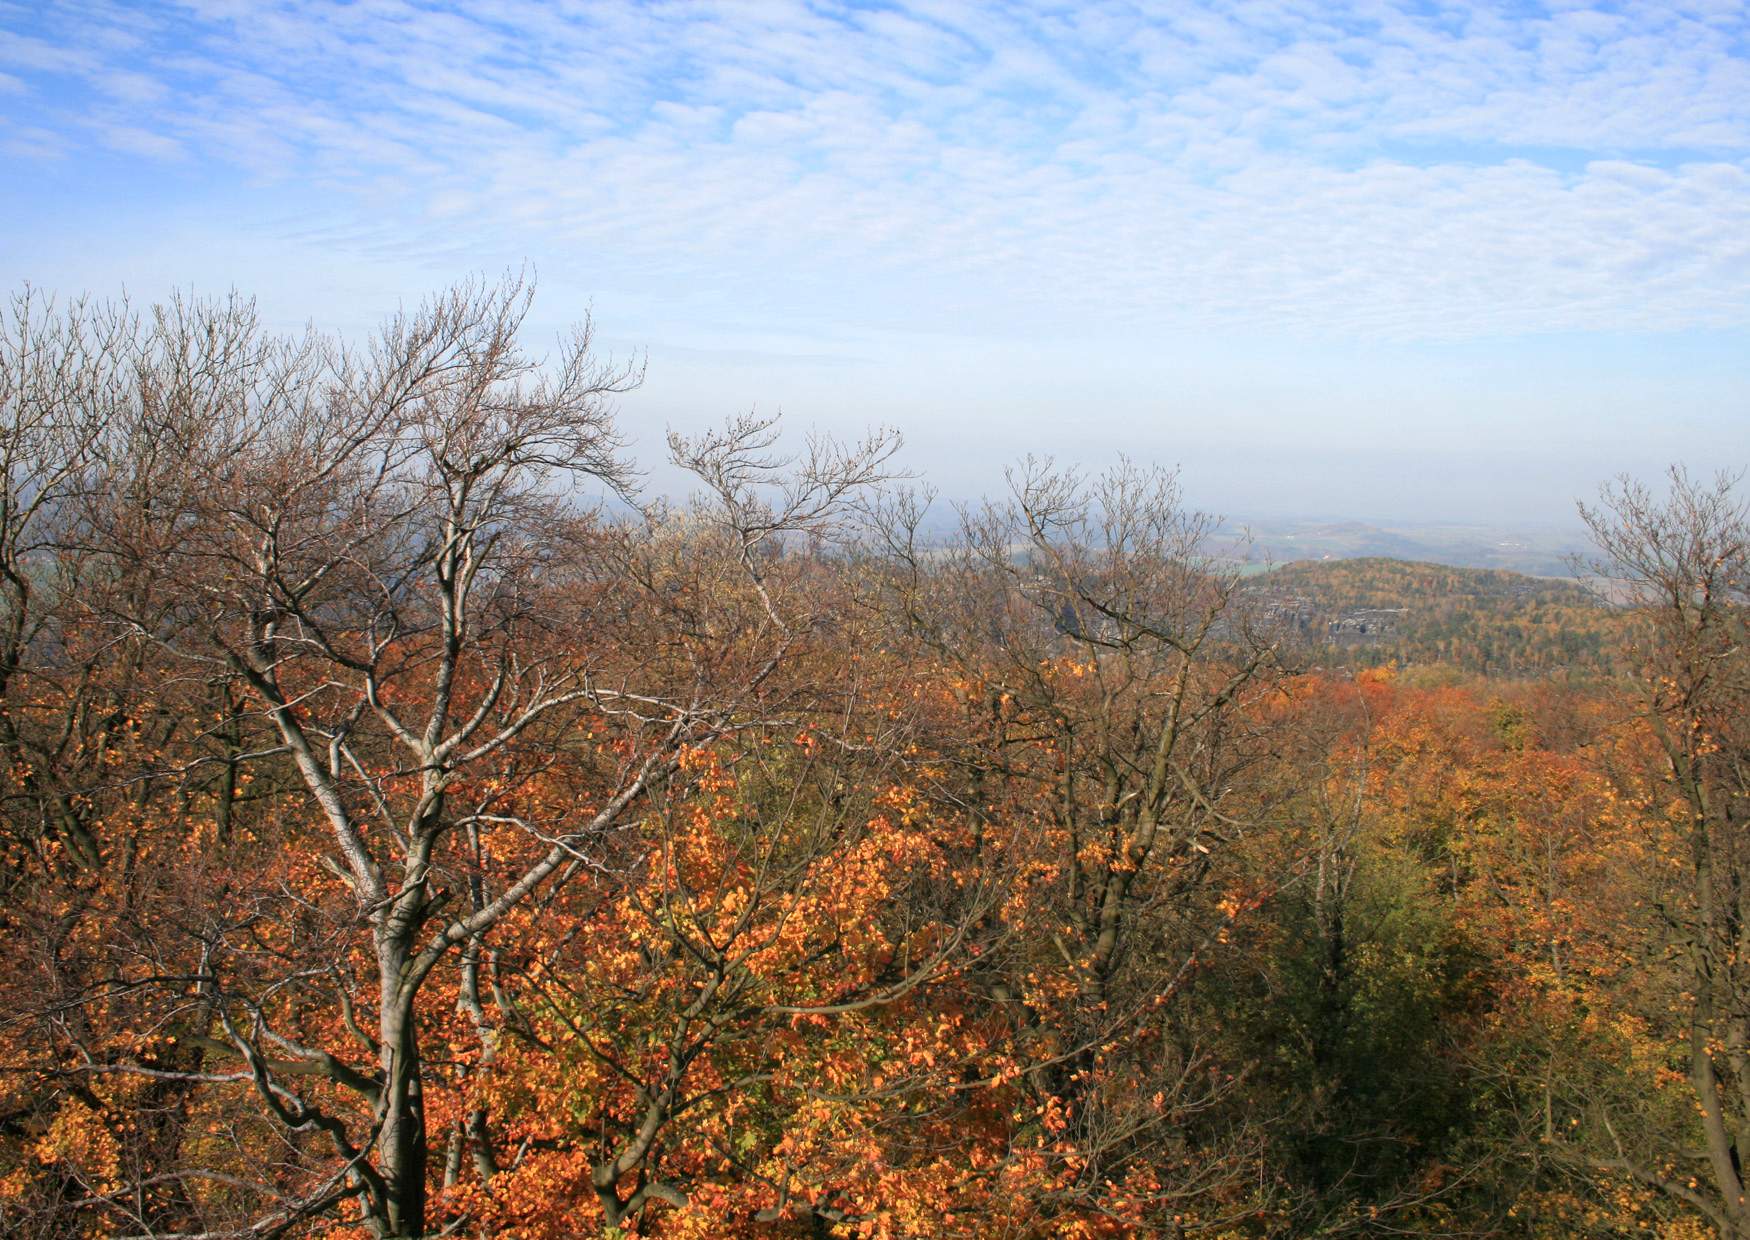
[[398, 842]]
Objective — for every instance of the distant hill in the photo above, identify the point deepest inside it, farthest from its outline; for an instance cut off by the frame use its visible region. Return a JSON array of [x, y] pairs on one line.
[[1373, 610], [1534, 551]]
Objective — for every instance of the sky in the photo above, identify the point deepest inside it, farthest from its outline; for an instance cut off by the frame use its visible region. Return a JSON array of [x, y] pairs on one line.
[[1386, 260]]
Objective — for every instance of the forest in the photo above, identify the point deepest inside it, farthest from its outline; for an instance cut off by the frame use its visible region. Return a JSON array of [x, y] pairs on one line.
[[1478, 621], [398, 842]]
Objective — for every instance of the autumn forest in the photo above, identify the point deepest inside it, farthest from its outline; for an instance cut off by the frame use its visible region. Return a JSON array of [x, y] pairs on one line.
[[411, 827]]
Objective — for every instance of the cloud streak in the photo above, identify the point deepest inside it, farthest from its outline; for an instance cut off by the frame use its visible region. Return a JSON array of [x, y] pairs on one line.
[[1376, 170]]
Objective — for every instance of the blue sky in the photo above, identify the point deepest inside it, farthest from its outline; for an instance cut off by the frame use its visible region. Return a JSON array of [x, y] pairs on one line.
[[1378, 259]]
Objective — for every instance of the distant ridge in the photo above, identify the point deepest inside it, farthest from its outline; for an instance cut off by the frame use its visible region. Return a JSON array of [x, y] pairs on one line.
[[1537, 552]]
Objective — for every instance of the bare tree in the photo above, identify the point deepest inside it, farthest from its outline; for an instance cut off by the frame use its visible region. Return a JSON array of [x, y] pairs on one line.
[[1684, 561], [379, 560], [62, 379]]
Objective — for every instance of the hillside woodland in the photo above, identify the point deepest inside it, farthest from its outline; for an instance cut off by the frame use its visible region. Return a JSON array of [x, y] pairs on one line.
[[394, 845], [1377, 613]]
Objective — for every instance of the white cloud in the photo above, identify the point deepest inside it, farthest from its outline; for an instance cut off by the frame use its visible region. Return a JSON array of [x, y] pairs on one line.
[[1369, 169], [132, 140], [31, 142]]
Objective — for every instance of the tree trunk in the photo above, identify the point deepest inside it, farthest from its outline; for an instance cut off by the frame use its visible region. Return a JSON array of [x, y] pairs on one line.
[[402, 1142]]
